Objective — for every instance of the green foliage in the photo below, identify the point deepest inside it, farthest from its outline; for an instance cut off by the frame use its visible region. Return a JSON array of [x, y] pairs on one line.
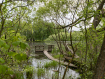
[[29, 71], [21, 44], [3, 44], [55, 75], [12, 43], [2, 60], [40, 30], [55, 50], [76, 36], [16, 43], [18, 75], [40, 72], [54, 7], [13, 53], [16, 28], [3, 69], [50, 64], [57, 56], [20, 57], [28, 68]]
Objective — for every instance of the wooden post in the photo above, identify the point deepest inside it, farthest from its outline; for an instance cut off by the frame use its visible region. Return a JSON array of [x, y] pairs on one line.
[[50, 47]]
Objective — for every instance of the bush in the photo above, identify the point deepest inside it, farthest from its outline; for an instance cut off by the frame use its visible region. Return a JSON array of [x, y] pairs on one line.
[[76, 36]]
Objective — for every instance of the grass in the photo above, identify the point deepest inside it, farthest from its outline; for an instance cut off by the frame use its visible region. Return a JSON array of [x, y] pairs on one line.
[[29, 72], [50, 64], [55, 75], [40, 72], [55, 51], [57, 56]]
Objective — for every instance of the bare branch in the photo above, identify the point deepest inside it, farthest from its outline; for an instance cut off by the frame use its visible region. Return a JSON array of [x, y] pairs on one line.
[[75, 22]]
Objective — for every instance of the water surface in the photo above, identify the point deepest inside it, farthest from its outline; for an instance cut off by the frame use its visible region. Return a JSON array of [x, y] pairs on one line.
[[39, 59]]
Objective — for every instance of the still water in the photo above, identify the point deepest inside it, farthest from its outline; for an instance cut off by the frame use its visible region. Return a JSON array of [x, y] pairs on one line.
[[38, 61]]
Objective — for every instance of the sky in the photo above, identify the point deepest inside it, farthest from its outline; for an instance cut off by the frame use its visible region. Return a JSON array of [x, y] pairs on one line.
[[66, 21], [0, 1]]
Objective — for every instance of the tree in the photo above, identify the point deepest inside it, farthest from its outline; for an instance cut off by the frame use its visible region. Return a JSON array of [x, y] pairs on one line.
[[38, 31], [80, 12], [13, 51]]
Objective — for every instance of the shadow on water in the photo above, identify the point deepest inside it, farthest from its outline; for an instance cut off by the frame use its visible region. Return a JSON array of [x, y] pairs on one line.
[[40, 56], [38, 61]]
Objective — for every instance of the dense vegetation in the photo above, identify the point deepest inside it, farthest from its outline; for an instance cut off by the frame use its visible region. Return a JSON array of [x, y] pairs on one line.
[[77, 36], [39, 30], [79, 14], [53, 20], [13, 47]]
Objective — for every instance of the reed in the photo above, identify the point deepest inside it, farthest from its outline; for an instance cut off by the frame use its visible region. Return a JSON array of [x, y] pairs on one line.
[[40, 72], [50, 64]]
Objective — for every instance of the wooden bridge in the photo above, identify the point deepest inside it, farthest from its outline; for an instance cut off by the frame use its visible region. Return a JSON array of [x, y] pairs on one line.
[[40, 48], [62, 62]]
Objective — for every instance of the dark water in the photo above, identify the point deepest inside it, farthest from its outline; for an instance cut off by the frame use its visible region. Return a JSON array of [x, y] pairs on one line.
[[39, 59]]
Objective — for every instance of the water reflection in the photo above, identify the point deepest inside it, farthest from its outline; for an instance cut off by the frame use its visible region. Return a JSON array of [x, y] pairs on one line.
[[39, 63], [39, 59]]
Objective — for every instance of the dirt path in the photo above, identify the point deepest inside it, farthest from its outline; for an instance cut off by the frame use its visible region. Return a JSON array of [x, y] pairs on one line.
[[50, 57]]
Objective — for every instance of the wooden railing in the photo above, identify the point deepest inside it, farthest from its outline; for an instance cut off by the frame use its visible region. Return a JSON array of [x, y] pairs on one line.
[[40, 48]]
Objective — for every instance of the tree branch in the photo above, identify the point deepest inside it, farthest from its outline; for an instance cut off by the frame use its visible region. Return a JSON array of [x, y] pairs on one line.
[[102, 29], [75, 22], [97, 18]]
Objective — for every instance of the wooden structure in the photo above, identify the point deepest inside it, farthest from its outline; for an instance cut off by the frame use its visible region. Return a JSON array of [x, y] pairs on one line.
[[62, 62], [39, 48], [50, 47]]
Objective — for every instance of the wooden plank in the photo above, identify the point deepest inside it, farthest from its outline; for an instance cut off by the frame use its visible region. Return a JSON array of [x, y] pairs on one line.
[[65, 63]]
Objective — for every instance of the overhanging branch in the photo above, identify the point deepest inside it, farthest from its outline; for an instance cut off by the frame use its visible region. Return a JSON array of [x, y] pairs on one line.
[[75, 22], [97, 18], [100, 30]]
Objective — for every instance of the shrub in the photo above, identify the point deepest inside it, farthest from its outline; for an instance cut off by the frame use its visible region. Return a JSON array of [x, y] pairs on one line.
[[76, 36]]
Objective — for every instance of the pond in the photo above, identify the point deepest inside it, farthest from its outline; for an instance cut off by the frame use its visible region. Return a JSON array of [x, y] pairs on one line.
[[38, 61]]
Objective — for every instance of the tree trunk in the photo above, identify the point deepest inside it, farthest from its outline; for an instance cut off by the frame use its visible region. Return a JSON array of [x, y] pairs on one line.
[[100, 66]]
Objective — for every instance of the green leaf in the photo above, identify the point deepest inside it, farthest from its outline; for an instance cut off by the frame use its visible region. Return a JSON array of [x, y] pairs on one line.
[[24, 56], [11, 53], [3, 69], [23, 45], [21, 57], [10, 71], [2, 60], [28, 68], [16, 43], [2, 43], [18, 57], [6, 46]]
